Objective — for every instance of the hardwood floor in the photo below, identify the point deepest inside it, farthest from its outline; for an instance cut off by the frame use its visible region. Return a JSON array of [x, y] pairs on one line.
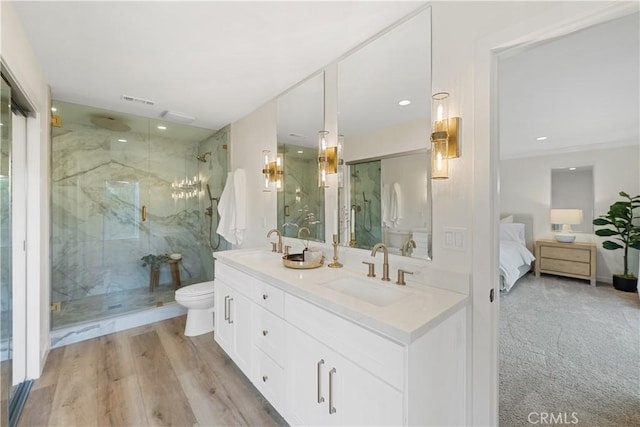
[[151, 375]]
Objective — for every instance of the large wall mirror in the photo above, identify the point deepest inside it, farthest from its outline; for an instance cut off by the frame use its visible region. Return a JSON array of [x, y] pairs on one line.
[[300, 201], [384, 93], [572, 188]]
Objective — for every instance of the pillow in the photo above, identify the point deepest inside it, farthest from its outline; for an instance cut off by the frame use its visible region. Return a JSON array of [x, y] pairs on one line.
[[507, 219], [513, 232]]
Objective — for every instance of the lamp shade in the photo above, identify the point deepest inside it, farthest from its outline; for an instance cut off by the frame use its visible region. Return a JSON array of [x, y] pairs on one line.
[[566, 216]]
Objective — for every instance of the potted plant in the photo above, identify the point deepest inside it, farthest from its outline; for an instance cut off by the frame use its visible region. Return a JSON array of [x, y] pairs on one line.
[[154, 262], [619, 223]]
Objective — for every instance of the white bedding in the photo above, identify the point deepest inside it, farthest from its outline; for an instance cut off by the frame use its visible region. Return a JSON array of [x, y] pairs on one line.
[[513, 257]]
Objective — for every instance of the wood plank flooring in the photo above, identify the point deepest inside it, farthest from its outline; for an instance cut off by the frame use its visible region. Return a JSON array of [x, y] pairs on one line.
[[148, 376]]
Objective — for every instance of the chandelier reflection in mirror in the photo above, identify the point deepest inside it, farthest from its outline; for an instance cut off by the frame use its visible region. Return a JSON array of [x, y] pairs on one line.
[[187, 188]]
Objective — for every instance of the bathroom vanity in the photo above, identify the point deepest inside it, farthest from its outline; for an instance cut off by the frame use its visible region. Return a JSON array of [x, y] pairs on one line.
[[334, 347]]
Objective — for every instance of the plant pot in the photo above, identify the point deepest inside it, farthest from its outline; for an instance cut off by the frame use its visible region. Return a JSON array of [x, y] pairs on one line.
[[625, 284]]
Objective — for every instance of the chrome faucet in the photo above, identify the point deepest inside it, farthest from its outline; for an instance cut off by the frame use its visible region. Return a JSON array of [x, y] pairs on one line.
[[385, 262], [406, 248], [275, 248]]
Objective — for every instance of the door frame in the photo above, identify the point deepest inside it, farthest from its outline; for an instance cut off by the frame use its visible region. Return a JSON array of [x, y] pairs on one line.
[[558, 21]]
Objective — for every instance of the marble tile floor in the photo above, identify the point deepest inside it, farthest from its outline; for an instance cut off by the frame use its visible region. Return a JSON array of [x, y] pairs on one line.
[[97, 307]]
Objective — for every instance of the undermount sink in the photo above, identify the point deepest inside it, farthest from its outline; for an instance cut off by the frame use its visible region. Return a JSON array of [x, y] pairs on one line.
[[368, 290]]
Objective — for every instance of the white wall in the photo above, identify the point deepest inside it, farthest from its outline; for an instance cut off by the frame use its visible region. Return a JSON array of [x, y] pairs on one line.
[[249, 136], [22, 65], [525, 187]]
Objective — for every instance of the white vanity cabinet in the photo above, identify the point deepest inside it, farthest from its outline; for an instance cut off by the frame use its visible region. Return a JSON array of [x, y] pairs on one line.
[[232, 323], [324, 388], [319, 364]]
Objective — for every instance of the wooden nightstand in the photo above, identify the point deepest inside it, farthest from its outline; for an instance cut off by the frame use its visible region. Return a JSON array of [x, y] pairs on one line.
[[576, 259]]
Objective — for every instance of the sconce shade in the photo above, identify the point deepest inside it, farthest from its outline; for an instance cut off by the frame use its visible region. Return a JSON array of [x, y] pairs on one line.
[[444, 136], [272, 171], [327, 159], [566, 217]]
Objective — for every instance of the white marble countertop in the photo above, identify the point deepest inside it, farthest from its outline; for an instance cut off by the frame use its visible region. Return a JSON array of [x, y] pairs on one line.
[[401, 313]]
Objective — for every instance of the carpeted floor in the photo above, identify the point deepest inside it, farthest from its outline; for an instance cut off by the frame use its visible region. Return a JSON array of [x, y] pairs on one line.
[[569, 353]]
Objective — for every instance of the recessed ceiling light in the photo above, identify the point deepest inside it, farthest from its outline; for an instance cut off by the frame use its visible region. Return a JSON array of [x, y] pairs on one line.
[[162, 127], [541, 138], [122, 140], [54, 109], [404, 102], [572, 169], [300, 151]]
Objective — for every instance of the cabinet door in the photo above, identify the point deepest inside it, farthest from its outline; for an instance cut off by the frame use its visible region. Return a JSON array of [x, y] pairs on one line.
[[307, 379], [364, 399], [240, 320], [223, 329]]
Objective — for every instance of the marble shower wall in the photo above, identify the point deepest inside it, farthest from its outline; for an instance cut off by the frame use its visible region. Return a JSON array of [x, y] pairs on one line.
[[214, 173], [99, 186], [301, 198], [365, 180]]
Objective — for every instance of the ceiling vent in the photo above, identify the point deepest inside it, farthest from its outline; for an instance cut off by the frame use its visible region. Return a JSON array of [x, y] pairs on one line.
[[175, 116], [137, 100]]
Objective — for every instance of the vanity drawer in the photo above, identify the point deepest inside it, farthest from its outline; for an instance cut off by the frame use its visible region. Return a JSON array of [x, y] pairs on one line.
[[269, 378], [268, 333], [236, 279], [565, 254], [380, 356], [270, 298]]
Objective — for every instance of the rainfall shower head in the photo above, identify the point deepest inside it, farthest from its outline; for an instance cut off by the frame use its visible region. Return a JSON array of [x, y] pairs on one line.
[[203, 157]]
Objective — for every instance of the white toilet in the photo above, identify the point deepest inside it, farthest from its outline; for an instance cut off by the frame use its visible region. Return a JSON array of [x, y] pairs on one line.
[[198, 299]]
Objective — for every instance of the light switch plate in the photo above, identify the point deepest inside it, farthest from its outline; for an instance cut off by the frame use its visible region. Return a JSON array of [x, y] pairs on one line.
[[455, 238]]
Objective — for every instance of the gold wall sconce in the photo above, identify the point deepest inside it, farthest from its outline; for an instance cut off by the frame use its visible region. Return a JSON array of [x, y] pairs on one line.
[[327, 158], [272, 171], [445, 143]]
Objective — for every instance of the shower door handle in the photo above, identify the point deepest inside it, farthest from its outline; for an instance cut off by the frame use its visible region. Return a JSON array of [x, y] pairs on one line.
[[143, 213]]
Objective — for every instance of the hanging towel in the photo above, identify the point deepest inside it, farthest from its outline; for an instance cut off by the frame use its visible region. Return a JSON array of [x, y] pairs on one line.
[[226, 209], [395, 205], [240, 192], [384, 200]]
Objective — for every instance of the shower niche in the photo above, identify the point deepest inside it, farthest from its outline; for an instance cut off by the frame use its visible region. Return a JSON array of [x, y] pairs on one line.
[[125, 187]]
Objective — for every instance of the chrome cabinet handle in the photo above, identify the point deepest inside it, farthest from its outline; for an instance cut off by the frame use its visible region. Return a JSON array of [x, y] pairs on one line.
[[320, 398], [226, 308], [332, 409], [265, 333], [230, 320]]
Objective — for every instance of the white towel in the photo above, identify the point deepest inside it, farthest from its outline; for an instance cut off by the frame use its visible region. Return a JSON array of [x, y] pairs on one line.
[[395, 205], [384, 200], [232, 208], [240, 192]]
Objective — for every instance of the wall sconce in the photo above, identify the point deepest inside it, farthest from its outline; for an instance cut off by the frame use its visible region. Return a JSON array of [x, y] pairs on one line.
[[444, 136], [327, 159], [272, 171]]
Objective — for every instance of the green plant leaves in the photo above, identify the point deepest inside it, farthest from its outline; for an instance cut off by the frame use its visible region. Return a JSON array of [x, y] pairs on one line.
[[608, 244]]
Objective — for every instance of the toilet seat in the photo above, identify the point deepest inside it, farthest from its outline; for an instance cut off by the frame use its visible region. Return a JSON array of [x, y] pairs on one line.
[[199, 289]]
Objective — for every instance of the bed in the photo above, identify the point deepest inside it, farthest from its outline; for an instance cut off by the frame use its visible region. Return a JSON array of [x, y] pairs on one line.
[[516, 245]]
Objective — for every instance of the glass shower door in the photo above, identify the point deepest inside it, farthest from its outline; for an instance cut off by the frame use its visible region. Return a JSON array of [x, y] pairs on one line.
[[6, 297]]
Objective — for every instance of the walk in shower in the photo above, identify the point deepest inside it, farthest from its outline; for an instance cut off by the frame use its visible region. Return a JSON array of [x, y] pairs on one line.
[[126, 188]]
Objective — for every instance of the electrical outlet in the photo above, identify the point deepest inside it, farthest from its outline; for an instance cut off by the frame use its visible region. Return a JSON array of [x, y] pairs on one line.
[[56, 306], [455, 238]]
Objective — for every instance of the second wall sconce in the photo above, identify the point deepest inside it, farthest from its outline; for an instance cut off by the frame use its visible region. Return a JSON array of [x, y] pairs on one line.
[[327, 159], [445, 143], [272, 171]]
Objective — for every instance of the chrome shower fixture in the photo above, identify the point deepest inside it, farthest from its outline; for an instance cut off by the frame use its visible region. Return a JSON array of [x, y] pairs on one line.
[[203, 157]]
